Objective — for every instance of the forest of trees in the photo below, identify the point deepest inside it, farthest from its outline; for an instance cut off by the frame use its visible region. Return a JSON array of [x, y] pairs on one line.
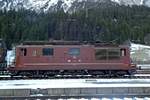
[[104, 24]]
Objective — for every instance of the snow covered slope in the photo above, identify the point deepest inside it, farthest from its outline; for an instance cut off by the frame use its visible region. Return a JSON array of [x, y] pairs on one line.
[[140, 53], [45, 5], [131, 2], [34, 4]]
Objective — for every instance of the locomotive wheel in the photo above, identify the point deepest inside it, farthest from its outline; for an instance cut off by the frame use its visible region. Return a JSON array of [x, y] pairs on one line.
[[49, 74], [120, 73], [14, 73]]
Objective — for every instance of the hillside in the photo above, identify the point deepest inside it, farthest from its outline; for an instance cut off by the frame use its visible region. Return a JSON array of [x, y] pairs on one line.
[[98, 21], [50, 5]]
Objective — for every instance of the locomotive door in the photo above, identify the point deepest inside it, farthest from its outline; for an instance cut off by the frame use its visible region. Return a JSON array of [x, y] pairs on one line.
[[22, 52]]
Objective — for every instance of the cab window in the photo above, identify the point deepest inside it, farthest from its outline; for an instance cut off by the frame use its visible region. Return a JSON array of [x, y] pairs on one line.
[[23, 51], [123, 52]]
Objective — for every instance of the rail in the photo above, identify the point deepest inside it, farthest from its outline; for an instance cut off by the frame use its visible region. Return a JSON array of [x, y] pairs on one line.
[[74, 97]]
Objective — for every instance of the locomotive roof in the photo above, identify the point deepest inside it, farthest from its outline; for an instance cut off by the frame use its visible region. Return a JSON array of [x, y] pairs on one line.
[[51, 43], [67, 43]]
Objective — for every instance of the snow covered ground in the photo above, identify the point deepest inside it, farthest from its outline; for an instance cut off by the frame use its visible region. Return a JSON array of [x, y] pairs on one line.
[[134, 98], [78, 83], [73, 83]]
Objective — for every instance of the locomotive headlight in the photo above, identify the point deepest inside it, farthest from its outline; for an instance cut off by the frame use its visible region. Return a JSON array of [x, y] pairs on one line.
[[69, 60], [79, 60]]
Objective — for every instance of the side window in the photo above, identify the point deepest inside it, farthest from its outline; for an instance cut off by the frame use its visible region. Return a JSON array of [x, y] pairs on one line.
[[24, 51], [101, 54], [107, 54], [74, 51], [113, 54], [48, 51]]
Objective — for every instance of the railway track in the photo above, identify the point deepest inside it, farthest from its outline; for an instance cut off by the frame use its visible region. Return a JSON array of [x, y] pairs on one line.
[[137, 76], [97, 97], [143, 71], [141, 74]]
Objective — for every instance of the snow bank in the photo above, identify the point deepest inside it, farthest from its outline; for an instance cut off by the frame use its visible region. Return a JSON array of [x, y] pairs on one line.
[[140, 53], [10, 56]]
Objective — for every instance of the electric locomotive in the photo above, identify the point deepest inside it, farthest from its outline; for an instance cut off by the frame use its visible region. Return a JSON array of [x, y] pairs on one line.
[[48, 59]]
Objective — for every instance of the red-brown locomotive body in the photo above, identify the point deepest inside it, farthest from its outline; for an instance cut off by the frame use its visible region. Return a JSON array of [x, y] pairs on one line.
[[71, 58]]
